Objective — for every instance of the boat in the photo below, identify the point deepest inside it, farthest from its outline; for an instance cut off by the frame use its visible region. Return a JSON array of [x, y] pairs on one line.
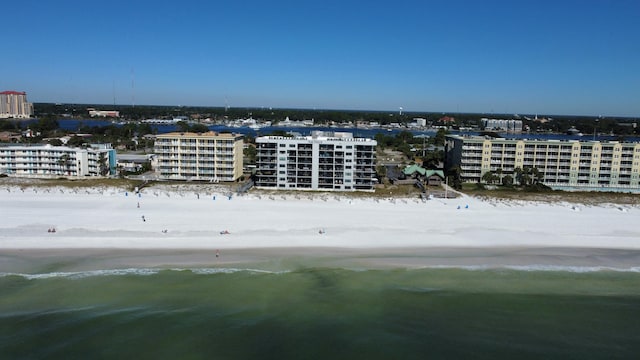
[[573, 131]]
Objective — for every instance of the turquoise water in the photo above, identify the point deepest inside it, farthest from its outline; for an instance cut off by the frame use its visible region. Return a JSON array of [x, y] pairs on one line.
[[320, 313]]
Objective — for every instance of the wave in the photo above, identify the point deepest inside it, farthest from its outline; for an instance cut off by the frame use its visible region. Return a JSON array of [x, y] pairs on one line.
[[213, 271], [536, 267], [133, 271]]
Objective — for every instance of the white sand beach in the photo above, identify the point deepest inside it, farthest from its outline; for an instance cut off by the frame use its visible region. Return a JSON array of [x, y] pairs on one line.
[[162, 218]]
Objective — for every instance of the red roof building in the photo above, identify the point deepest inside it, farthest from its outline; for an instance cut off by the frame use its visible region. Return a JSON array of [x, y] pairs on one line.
[[11, 92], [14, 104]]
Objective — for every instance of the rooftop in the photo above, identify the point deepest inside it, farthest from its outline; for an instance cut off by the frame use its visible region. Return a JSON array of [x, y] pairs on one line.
[[11, 92], [210, 134]]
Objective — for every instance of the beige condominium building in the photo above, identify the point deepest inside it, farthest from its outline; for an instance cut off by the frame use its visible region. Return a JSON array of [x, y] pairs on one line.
[[206, 156], [13, 104], [323, 161], [564, 164]]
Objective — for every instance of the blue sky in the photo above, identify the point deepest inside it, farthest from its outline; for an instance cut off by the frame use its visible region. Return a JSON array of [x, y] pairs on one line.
[[528, 57]]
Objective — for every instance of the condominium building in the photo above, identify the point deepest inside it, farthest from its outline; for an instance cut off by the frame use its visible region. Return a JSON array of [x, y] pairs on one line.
[[501, 125], [323, 161], [46, 161], [103, 113], [564, 164], [206, 156], [13, 104]]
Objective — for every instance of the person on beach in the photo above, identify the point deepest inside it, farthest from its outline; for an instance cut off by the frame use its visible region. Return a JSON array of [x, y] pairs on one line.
[[143, 219], [217, 254]]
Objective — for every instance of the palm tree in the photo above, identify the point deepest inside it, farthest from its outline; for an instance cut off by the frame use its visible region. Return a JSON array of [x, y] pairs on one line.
[[518, 173], [538, 176], [103, 167], [526, 176], [507, 180], [64, 160], [488, 177]]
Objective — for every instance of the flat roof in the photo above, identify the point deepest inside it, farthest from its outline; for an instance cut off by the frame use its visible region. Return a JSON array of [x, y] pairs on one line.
[[211, 134]]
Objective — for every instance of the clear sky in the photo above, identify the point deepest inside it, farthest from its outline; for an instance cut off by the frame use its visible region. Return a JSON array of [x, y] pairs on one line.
[[577, 57]]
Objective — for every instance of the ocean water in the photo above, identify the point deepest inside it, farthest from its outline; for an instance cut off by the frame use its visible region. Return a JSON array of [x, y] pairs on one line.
[[321, 313]]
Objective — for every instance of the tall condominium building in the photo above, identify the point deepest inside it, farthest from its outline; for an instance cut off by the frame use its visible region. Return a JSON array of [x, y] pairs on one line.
[[46, 161], [13, 104], [206, 156], [564, 164], [322, 161]]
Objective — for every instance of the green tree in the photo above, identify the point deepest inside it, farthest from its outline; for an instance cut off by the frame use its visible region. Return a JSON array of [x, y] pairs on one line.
[[55, 142], [103, 166], [439, 138], [47, 124], [489, 177], [250, 153], [432, 159], [381, 170], [454, 176], [65, 161], [404, 137], [199, 128], [8, 125], [507, 180], [76, 141], [183, 126]]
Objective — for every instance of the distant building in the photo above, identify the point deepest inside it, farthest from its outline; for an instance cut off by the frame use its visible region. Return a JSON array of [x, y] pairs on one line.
[[8, 136], [46, 161], [323, 161], [563, 164], [13, 104], [206, 156], [133, 162], [421, 122], [501, 125], [103, 113]]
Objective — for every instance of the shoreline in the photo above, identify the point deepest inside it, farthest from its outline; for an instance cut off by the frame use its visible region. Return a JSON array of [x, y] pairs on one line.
[[289, 259]]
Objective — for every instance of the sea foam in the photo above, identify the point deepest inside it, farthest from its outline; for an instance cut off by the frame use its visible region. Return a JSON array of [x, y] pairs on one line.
[[133, 271]]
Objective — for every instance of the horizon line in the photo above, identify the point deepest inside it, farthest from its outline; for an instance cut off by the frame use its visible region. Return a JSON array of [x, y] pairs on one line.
[[391, 112]]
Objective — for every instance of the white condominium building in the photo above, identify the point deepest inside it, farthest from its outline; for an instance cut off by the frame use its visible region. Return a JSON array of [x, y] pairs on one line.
[[501, 125], [46, 161], [13, 104], [206, 156], [322, 161], [592, 165]]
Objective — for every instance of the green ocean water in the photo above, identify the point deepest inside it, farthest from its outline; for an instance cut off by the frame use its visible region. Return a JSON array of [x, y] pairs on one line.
[[320, 313]]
